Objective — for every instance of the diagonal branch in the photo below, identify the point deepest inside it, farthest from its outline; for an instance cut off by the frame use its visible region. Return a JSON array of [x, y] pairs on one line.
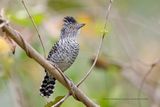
[[100, 44], [142, 83], [32, 53]]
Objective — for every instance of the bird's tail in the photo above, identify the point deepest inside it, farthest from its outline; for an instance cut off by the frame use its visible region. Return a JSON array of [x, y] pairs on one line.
[[47, 86]]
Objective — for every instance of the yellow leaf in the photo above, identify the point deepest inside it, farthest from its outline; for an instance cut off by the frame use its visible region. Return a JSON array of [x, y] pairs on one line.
[[4, 46]]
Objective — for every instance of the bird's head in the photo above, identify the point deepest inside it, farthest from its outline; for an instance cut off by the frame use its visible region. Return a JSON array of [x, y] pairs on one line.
[[70, 27]]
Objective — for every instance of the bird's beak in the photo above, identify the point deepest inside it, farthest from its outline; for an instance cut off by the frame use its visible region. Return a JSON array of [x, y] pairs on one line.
[[80, 25]]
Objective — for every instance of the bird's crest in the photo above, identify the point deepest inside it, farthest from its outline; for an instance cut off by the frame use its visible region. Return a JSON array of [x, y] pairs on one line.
[[69, 20]]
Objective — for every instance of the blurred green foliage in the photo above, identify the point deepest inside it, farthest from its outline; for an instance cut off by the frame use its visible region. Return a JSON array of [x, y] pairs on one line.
[[64, 5], [21, 17]]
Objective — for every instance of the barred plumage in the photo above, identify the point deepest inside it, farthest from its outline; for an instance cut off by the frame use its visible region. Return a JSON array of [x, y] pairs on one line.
[[63, 53]]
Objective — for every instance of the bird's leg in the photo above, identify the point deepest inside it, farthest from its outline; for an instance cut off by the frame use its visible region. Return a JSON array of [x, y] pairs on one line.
[[53, 64], [68, 81]]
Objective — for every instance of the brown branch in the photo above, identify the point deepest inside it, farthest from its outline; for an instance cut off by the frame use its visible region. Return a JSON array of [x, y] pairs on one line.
[[95, 60], [31, 52]]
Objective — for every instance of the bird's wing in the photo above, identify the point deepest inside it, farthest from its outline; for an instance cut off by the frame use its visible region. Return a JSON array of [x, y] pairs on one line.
[[53, 50]]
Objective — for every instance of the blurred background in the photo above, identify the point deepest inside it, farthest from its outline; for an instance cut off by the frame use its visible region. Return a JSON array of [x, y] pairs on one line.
[[131, 48]]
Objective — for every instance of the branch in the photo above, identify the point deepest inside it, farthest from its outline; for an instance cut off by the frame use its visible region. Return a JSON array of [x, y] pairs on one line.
[[32, 53], [97, 55]]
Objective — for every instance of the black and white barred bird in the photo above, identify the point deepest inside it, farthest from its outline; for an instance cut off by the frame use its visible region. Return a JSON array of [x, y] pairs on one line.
[[63, 53]]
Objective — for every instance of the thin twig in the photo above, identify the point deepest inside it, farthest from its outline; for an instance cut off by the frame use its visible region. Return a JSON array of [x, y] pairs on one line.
[[35, 26], [143, 81], [95, 60], [97, 55], [100, 44], [128, 99], [61, 101]]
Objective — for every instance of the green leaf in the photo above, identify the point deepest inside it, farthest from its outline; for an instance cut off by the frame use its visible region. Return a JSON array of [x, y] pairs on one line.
[[57, 99], [21, 17], [64, 5]]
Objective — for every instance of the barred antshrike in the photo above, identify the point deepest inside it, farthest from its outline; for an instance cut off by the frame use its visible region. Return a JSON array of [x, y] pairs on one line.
[[63, 53]]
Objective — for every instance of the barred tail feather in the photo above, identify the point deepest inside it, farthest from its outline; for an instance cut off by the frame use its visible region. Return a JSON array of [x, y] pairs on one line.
[[47, 86]]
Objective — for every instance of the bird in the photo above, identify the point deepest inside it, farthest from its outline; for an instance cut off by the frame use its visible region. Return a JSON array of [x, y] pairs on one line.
[[63, 53]]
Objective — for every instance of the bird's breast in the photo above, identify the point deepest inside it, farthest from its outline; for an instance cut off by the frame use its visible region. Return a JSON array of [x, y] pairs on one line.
[[66, 54]]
